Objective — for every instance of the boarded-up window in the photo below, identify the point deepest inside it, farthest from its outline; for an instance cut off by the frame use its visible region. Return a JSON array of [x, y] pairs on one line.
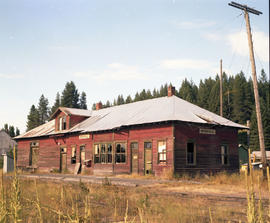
[[73, 154], [162, 156], [191, 156], [224, 155], [120, 153]]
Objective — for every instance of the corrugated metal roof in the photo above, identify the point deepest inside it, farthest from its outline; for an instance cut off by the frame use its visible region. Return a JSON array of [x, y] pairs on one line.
[[143, 112]]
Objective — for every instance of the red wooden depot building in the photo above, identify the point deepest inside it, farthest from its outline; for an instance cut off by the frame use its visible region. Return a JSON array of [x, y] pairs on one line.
[[144, 137]]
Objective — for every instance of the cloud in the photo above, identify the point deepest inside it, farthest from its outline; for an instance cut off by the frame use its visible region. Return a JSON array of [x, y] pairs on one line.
[[211, 36], [177, 64], [114, 71], [199, 24], [11, 76], [239, 44]]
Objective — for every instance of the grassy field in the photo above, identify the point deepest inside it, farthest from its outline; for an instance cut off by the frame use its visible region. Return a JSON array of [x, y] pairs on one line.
[[219, 198]]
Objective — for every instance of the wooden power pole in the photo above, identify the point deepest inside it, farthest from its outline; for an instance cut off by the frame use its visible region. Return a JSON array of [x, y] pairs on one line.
[[246, 10], [220, 90]]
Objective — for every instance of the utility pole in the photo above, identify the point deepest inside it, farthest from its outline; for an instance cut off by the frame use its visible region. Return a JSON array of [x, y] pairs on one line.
[[246, 10], [220, 90]]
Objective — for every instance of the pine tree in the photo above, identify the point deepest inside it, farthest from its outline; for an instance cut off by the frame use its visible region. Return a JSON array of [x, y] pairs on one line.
[[94, 106], [128, 99], [17, 131], [213, 100], [6, 128], [120, 100], [11, 131], [238, 92], [188, 91], [57, 103], [70, 96], [83, 103], [33, 118], [107, 105], [204, 92], [43, 109]]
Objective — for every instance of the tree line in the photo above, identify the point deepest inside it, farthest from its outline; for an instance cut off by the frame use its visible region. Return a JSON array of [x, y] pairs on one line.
[[70, 98], [238, 102], [10, 129]]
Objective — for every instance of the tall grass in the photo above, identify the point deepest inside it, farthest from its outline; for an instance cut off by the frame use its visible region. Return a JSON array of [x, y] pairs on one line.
[[39, 201]]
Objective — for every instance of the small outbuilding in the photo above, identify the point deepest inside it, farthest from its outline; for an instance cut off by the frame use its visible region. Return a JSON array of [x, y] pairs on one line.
[[145, 137]]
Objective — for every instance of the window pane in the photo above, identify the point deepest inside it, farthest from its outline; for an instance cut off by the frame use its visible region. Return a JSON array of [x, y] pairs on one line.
[[161, 146], [109, 148], [118, 148], [123, 149], [148, 145], [109, 158], [103, 158], [96, 149], [103, 148]]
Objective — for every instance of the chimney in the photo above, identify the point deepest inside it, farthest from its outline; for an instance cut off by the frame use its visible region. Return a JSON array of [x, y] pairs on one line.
[[98, 105], [171, 91]]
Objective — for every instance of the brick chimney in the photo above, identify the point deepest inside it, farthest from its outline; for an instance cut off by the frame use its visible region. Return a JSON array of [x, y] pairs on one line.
[[171, 91], [98, 105]]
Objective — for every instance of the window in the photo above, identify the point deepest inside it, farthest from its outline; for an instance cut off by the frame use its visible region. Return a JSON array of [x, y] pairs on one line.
[[62, 123], [103, 153], [120, 153], [148, 145], [224, 155], [162, 152], [191, 156], [73, 154]]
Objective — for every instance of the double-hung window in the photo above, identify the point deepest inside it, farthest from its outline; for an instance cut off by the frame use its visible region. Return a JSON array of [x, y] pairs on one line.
[[162, 156], [224, 155]]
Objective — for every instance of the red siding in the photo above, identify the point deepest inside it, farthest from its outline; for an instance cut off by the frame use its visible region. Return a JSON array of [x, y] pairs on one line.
[[49, 149], [208, 148]]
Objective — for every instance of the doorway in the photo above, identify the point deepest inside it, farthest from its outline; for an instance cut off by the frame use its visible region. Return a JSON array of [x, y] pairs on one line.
[[63, 159], [134, 157], [147, 158]]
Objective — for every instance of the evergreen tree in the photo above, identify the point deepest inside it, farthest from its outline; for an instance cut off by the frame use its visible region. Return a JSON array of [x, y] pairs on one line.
[[188, 91], [107, 105], [137, 97], [214, 99], [6, 128], [11, 131], [120, 100], [17, 131], [33, 118], [128, 99], [83, 103], [94, 106], [70, 96], [204, 92], [148, 94], [238, 98], [43, 109], [57, 103], [143, 95]]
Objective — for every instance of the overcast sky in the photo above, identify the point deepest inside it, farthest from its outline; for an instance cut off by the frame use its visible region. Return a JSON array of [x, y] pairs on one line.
[[112, 47]]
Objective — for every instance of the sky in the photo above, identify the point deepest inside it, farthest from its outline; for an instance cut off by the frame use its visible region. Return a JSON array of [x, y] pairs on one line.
[[112, 47]]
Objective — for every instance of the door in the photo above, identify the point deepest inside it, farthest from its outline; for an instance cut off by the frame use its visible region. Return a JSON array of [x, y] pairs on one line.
[[34, 154], [82, 154], [148, 158], [134, 157], [63, 159]]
